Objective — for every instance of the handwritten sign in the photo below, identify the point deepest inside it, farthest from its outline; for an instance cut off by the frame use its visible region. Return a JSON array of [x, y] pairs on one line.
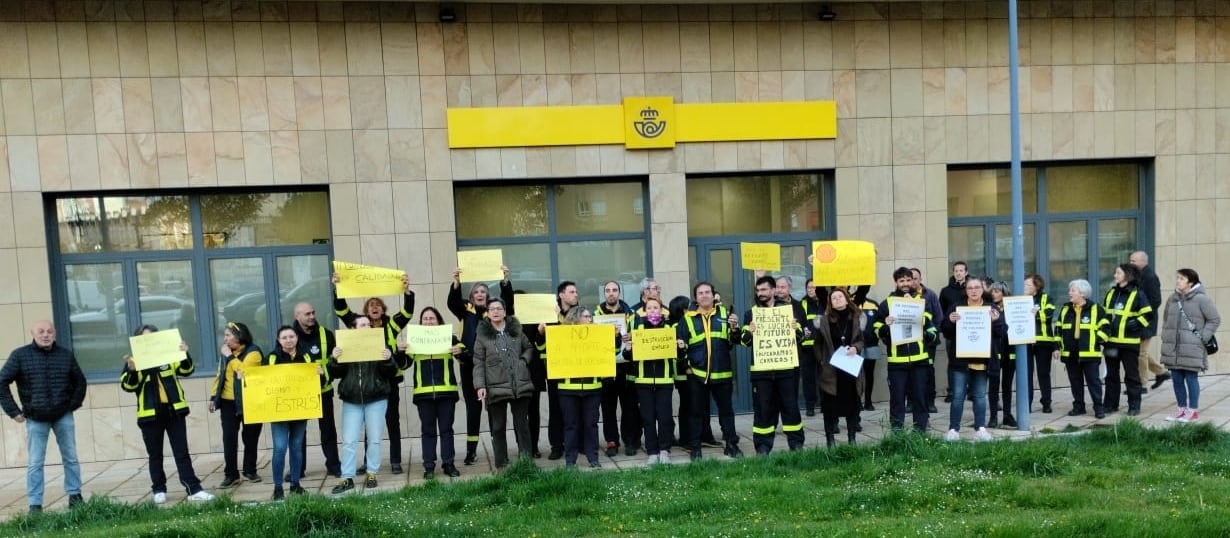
[[535, 308], [974, 332], [654, 344], [360, 345], [356, 280], [907, 316], [580, 351], [620, 321], [429, 339], [773, 344], [1019, 313], [843, 263], [481, 265], [766, 256], [156, 349], [281, 392]]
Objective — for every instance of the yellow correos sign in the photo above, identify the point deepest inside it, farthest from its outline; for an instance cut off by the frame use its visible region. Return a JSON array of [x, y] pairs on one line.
[[640, 123]]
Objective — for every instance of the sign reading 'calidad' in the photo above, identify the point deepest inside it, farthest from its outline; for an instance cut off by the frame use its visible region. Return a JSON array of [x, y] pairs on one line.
[[357, 280]]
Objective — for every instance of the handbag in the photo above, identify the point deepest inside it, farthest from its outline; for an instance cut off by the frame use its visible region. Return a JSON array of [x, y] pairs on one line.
[[1210, 346]]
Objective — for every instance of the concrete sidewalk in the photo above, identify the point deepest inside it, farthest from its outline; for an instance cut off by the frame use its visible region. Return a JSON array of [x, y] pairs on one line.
[[128, 480]]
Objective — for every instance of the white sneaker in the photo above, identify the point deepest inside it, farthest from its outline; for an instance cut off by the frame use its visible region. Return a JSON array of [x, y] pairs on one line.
[[983, 435], [1182, 414], [952, 435], [201, 496], [653, 458], [1191, 416], [160, 497], [664, 457]]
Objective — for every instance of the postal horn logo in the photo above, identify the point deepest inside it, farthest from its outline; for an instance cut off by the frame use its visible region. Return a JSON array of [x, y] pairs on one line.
[[649, 126]]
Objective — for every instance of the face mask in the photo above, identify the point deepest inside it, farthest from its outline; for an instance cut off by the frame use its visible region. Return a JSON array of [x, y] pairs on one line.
[[655, 318]]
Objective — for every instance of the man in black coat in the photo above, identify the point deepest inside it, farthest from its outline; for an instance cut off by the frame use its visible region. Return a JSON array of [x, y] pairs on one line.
[[1152, 287], [51, 386], [949, 296]]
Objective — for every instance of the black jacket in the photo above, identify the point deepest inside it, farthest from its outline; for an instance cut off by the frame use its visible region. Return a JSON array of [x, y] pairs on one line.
[[999, 334], [951, 294], [1152, 287], [50, 383], [365, 382], [469, 314]]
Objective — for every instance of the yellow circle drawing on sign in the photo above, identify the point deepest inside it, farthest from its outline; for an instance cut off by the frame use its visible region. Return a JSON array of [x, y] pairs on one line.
[[826, 254]]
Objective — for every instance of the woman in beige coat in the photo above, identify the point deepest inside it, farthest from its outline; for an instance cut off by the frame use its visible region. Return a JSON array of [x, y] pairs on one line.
[[1190, 321], [840, 392]]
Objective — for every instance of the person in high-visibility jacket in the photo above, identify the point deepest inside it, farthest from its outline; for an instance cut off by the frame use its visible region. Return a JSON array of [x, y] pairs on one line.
[[1045, 341], [162, 409], [469, 312], [1129, 311], [435, 396], [579, 400], [908, 364], [377, 312], [709, 334], [1081, 329], [238, 352], [290, 435], [655, 383], [774, 387]]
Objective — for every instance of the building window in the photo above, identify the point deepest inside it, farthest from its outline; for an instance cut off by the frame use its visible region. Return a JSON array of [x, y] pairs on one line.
[[585, 232], [190, 261], [1080, 220]]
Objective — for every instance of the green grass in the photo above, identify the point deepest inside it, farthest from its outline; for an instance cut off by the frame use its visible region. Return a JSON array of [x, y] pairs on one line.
[[1125, 480]]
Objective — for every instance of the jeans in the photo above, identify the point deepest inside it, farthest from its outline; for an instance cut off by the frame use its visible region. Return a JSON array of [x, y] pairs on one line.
[[355, 419], [1186, 388], [977, 380], [36, 448], [289, 435], [166, 422]]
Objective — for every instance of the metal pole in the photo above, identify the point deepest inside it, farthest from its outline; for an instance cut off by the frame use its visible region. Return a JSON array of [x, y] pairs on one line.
[[1018, 225]]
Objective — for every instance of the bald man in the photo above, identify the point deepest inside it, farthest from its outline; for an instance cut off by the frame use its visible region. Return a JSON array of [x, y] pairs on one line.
[[1152, 286], [318, 342], [51, 386]]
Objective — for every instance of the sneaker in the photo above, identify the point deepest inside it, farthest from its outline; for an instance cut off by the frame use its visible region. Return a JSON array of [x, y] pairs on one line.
[[981, 434], [1182, 414], [664, 457], [207, 496], [345, 485], [451, 470], [297, 490], [653, 459], [229, 482], [1192, 416], [370, 482], [612, 449], [252, 477], [278, 494], [952, 435], [160, 497], [75, 500]]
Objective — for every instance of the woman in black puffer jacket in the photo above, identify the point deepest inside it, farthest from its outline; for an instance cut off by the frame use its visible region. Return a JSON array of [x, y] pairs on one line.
[[364, 389]]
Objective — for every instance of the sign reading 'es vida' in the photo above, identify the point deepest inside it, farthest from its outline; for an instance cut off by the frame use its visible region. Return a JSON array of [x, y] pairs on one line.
[[774, 340]]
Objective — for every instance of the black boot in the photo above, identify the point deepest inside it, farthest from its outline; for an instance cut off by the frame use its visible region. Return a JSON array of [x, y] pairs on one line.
[[993, 421], [471, 452], [1009, 420], [829, 440], [1077, 410]]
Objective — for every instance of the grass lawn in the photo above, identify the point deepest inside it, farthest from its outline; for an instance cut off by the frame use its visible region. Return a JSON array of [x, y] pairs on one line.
[[1125, 480]]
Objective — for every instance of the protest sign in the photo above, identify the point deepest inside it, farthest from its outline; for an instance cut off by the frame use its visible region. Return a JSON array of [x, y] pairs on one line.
[[843, 263], [775, 346], [580, 351], [654, 344], [481, 265], [281, 392], [765, 256], [357, 280], [360, 345], [429, 339], [156, 349]]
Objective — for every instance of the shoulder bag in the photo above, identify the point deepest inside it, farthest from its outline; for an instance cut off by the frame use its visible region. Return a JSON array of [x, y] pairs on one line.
[[1210, 346]]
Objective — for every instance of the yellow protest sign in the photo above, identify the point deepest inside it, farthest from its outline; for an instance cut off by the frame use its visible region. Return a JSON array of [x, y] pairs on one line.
[[654, 344], [360, 345], [356, 280], [580, 351], [843, 263], [774, 344], [481, 265], [535, 308], [156, 349], [766, 256], [429, 339], [281, 392]]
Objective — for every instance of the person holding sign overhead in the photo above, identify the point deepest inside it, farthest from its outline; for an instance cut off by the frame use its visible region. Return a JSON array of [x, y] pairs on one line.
[[655, 377], [364, 389], [839, 330], [470, 312], [579, 400], [435, 396], [774, 379], [972, 368], [376, 312], [907, 360], [289, 434], [708, 334], [238, 353], [1081, 328], [502, 356], [162, 409]]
